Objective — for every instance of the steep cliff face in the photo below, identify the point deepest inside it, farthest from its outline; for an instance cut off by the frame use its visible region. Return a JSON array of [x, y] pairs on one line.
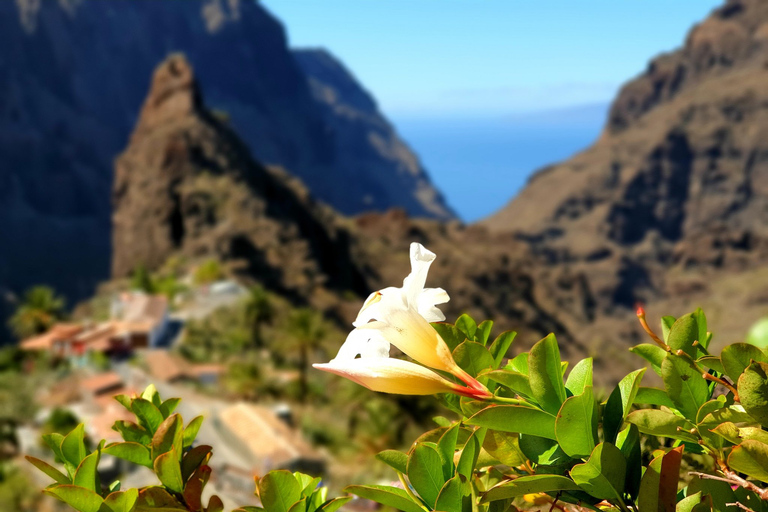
[[672, 201], [367, 141], [186, 185], [73, 75]]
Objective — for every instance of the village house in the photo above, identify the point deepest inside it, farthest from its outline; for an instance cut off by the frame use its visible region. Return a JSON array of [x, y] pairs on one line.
[[165, 366]]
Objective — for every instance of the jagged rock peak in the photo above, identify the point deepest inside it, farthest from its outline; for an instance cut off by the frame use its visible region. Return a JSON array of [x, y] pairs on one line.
[[174, 93]]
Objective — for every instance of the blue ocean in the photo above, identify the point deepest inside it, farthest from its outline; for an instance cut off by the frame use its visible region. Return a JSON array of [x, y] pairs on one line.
[[481, 163]]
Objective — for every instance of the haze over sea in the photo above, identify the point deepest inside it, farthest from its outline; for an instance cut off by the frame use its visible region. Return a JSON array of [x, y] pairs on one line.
[[480, 163]]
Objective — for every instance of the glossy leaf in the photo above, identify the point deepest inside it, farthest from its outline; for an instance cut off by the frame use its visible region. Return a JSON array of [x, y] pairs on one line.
[[73, 446], [467, 325], [500, 346], [168, 436], [516, 419], [654, 354], [750, 458], [279, 490], [483, 332], [168, 406], [86, 475], [148, 414], [450, 334], [193, 458], [619, 403], [193, 488], [576, 424], [545, 374], [669, 478], [628, 441], [132, 432], [470, 453], [455, 495], [753, 391], [603, 475], [386, 495], [683, 333], [531, 484], [504, 447], [446, 446], [425, 472], [580, 377], [657, 422], [648, 498], [132, 452], [79, 498], [190, 431], [49, 470], [513, 380], [394, 459], [653, 396], [738, 356], [684, 385], [473, 358], [122, 501], [168, 471]]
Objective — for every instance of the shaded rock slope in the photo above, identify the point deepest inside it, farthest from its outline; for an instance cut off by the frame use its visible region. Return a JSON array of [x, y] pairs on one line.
[[73, 75], [670, 206]]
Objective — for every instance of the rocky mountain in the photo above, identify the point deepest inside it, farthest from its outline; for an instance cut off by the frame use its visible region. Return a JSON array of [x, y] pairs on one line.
[[73, 76], [670, 206], [186, 186]]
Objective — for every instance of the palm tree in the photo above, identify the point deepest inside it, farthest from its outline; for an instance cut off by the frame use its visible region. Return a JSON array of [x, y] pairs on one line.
[[258, 311], [37, 312], [307, 330]]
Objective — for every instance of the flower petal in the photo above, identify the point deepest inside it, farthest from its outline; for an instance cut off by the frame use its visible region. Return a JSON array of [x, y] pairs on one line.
[[391, 376], [413, 284], [378, 304], [425, 304], [364, 343]]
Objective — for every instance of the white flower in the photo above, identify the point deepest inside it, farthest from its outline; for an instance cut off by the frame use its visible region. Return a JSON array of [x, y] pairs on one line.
[[400, 317]]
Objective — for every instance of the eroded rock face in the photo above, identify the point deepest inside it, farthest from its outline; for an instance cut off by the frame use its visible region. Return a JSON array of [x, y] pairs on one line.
[[670, 206], [186, 185]]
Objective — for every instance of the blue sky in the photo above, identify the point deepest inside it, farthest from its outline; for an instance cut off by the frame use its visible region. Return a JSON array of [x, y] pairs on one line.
[[484, 57]]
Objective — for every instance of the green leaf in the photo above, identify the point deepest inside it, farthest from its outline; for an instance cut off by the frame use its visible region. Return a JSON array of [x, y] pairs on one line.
[[753, 391], [132, 452], [516, 419], [719, 492], [455, 495], [472, 357], [483, 332], [124, 400], [661, 423], [170, 405], [446, 446], [603, 475], [425, 472], [738, 356], [122, 501], [728, 431], [79, 498], [735, 413], [504, 447], [683, 333], [386, 495], [628, 441], [519, 363], [334, 504], [86, 475], [500, 346], [684, 384], [168, 471], [73, 446], [653, 396], [654, 354], [168, 436], [711, 362], [157, 499], [691, 503], [545, 375], [580, 377], [49, 470], [619, 404], [394, 459], [467, 325], [704, 337], [190, 432], [576, 424], [149, 416], [470, 453], [279, 490], [512, 380], [450, 334], [531, 484], [666, 324], [750, 458], [648, 497], [150, 394], [669, 478], [132, 432], [542, 451], [54, 443]]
